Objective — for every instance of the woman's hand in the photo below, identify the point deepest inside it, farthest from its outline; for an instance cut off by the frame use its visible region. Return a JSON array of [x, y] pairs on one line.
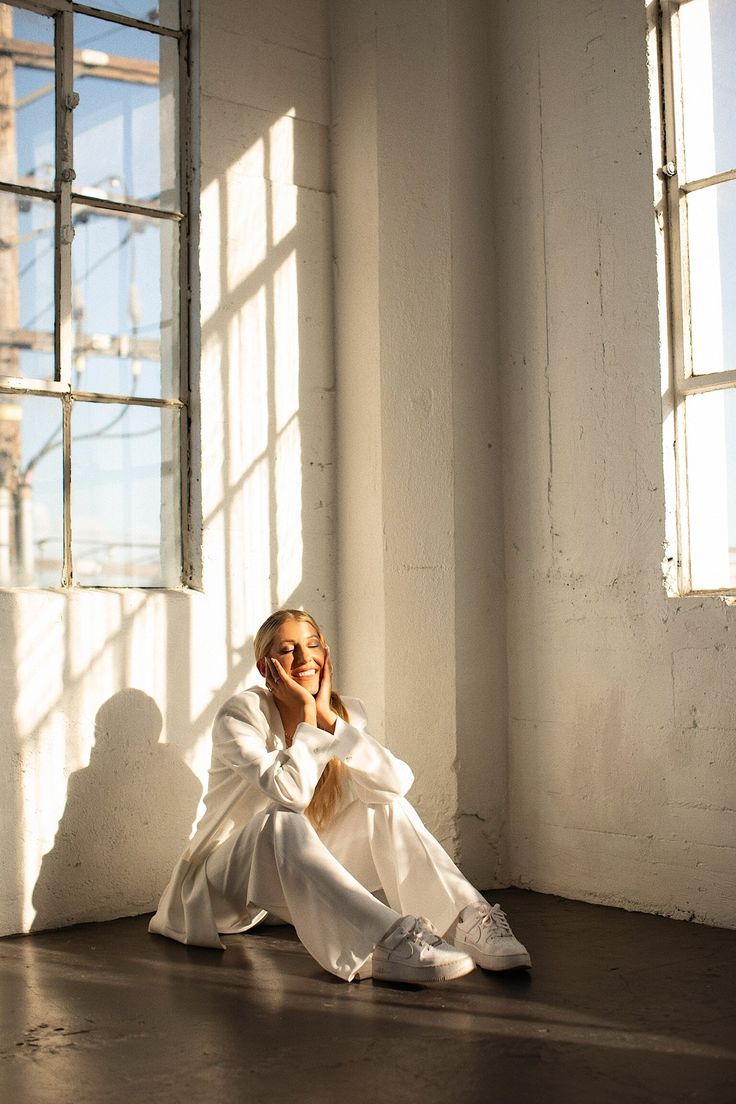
[[293, 700], [326, 716]]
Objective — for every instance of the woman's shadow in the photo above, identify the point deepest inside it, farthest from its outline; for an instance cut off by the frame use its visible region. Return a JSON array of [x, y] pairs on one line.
[[126, 820]]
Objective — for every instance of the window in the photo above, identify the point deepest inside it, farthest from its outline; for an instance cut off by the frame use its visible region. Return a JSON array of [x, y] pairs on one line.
[[93, 293], [697, 42]]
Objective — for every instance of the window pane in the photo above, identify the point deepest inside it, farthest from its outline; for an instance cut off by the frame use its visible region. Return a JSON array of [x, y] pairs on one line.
[[711, 253], [26, 286], [125, 495], [711, 478], [27, 100], [31, 491], [165, 13], [707, 44], [124, 304], [125, 127]]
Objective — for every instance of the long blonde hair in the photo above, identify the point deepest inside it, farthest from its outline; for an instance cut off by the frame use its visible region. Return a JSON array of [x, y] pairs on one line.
[[329, 787]]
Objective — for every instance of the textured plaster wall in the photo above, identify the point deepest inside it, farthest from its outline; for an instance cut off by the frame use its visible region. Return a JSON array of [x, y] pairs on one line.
[[420, 574], [108, 697], [622, 725], [445, 233]]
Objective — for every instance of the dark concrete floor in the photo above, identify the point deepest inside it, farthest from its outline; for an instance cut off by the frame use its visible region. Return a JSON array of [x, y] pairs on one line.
[[619, 1007]]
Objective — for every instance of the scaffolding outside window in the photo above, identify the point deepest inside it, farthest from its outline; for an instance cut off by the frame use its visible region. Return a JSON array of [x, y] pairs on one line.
[[94, 338], [698, 126]]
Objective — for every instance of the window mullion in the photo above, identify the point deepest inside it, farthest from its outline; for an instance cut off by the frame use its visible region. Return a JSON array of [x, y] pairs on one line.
[[64, 234], [129, 21], [46, 7], [67, 577], [708, 181], [677, 279], [64, 178], [673, 199], [711, 381], [185, 265]]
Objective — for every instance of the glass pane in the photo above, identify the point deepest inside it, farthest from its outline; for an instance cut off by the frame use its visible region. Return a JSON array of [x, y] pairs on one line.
[[711, 477], [707, 44], [26, 286], [166, 13], [27, 100], [711, 252], [31, 491], [124, 304], [125, 495], [125, 127]]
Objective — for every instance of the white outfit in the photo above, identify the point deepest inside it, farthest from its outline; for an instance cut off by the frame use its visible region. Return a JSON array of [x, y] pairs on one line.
[[255, 853]]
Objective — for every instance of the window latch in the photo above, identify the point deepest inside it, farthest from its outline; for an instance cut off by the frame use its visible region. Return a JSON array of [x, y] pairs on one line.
[[669, 168]]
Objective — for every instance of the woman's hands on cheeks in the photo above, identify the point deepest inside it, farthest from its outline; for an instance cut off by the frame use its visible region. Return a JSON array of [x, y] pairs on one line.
[[296, 702], [293, 700], [326, 716]]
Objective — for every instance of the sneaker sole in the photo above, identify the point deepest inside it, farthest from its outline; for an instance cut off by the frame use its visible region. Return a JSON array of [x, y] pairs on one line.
[[399, 971], [497, 962]]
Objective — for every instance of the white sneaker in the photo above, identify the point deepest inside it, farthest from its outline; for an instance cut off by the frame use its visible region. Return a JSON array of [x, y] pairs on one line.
[[484, 933], [412, 951]]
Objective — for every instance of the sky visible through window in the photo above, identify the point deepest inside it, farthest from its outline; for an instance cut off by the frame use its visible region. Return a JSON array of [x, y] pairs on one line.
[[717, 153], [124, 281]]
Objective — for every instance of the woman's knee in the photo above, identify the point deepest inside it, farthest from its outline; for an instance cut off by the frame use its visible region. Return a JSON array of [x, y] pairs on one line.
[[392, 811], [287, 827]]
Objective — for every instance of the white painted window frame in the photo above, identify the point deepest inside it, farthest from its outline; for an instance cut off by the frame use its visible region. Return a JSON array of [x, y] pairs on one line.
[[682, 380], [64, 194]]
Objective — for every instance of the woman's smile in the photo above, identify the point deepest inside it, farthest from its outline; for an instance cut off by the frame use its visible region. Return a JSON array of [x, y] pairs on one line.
[[306, 674], [300, 652]]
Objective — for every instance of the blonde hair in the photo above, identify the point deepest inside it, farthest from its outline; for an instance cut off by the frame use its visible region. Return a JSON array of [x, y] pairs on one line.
[[321, 808]]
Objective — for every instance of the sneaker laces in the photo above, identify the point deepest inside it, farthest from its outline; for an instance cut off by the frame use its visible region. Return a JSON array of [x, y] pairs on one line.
[[408, 927], [495, 917], [427, 931], [415, 929]]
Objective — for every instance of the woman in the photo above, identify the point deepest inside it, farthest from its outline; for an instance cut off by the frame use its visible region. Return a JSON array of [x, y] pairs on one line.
[[306, 819]]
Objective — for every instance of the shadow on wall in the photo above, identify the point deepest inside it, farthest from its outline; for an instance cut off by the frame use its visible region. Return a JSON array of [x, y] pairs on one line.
[[263, 472], [134, 789]]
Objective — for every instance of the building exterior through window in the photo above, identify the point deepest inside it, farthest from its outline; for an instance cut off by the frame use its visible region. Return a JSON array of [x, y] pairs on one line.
[[697, 39], [94, 330]]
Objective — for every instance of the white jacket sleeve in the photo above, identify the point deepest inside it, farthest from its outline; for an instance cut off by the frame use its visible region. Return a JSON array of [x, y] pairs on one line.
[[376, 774], [288, 776]]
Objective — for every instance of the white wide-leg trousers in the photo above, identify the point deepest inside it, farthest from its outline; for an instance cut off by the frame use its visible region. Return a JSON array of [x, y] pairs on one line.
[[324, 883]]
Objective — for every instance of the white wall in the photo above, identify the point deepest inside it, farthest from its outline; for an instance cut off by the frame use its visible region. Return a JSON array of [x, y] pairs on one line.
[[421, 598], [108, 697], [494, 254], [622, 726]]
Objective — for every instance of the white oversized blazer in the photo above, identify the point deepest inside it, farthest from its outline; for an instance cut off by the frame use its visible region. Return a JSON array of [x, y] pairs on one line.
[[252, 768]]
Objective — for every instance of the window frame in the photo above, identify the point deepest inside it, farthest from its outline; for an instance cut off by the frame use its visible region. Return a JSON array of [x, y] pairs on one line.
[[64, 196], [682, 380]]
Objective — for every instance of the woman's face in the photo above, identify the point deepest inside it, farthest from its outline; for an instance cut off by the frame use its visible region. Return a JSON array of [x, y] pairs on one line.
[[300, 652]]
